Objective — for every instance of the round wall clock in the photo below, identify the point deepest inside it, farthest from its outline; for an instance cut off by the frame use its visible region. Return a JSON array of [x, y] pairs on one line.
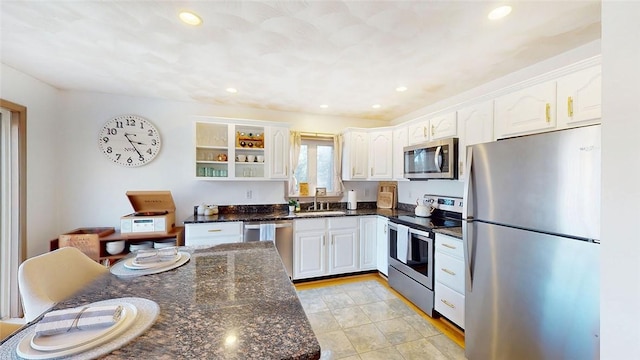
[[129, 140]]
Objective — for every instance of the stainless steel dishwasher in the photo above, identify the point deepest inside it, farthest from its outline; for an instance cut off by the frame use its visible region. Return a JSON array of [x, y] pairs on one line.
[[284, 239]]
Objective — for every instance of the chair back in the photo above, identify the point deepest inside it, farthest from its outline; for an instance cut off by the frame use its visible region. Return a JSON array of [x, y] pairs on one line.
[[47, 279]]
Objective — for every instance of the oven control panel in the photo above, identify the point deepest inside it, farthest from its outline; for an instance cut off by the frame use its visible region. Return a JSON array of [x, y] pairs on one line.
[[453, 204]]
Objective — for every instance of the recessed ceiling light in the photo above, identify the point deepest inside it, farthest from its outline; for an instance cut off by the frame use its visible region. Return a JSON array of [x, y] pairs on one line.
[[232, 90], [376, 106], [190, 18], [324, 106], [401, 88], [499, 12]]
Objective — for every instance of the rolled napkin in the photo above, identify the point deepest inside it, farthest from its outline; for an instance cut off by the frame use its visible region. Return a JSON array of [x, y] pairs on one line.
[[156, 255], [79, 318]]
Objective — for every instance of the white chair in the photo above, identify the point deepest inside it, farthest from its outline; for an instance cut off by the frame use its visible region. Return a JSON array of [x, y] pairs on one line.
[[49, 278]]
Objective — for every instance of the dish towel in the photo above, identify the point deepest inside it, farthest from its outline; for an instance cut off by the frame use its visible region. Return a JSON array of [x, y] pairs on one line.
[[157, 255], [267, 232], [79, 318], [403, 243]]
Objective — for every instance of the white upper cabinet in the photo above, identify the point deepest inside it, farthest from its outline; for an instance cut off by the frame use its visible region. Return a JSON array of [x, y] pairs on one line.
[[278, 152], [475, 126], [419, 132], [381, 154], [400, 140], [443, 126], [355, 164], [580, 98], [227, 149], [526, 111]]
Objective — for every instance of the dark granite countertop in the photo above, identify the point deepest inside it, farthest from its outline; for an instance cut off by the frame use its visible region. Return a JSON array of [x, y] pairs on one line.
[[233, 290], [453, 231], [285, 215]]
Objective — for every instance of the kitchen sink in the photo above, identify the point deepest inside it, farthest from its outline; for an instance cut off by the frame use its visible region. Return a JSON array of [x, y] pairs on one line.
[[320, 213]]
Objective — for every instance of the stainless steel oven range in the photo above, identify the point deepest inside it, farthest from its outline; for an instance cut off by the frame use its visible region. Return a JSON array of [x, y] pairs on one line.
[[411, 246]]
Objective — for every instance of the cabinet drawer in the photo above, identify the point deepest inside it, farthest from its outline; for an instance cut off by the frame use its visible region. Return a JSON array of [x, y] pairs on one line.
[[449, 245], [309, 224], [449, 304], [214, 229], [349, 222], [450, 271]]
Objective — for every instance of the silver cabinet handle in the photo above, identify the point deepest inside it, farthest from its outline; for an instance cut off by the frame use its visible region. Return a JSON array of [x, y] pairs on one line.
[[448, 272], [449, 246], [448, 303]]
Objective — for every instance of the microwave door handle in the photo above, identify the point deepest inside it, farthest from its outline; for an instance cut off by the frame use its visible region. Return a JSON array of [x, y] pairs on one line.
[[438, 159]]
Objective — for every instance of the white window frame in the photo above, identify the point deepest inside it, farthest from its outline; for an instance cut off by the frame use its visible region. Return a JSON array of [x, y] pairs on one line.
[[12, 211], [312, 156]]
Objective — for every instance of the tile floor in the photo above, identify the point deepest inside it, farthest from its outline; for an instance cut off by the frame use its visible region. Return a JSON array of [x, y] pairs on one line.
[[366, 321]]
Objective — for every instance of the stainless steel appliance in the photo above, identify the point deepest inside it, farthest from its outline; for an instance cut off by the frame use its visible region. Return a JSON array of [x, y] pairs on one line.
[[531, 236], [433, 160], [411, 246], [283, 239]]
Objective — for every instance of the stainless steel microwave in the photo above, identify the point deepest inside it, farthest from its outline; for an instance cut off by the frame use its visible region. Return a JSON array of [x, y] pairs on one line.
[[432, 160]]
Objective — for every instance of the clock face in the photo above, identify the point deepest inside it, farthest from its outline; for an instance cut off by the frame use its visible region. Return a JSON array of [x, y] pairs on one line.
[[129, 140]]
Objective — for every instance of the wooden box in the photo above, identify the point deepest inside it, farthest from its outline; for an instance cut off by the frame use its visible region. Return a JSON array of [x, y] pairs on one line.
[[86, 239]]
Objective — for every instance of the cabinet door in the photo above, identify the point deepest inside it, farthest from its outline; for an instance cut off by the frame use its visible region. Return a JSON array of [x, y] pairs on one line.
[[368, 242], [443, 126], [381, 154], [344, 251], [475, 126], [526, 111], [419, 132], [310, 254], [580, 97], [400, 140], [212, 151], [382, 247], [213, 233], [278, 152], [355, 155]]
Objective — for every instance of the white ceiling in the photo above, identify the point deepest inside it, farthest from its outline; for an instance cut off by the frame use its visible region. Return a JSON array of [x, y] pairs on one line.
[[288, 55]]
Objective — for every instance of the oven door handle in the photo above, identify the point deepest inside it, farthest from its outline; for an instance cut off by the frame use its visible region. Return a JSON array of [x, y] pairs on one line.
[[438, 159]]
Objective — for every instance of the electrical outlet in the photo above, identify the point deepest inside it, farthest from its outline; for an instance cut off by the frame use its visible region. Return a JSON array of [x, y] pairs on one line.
[[366, 192], [249, 194]]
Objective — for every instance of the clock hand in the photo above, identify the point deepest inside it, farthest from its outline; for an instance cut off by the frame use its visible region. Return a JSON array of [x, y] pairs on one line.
[[131, 141], [134, 147]]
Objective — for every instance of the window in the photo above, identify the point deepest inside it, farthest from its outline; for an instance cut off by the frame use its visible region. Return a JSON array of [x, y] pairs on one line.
[[317, 161], [315, 164], [13, 208]]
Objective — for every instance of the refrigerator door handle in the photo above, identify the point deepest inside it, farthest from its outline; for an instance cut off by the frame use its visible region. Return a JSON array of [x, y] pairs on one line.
[[467, 229], [438, 159], [468, 237], [467, 205]]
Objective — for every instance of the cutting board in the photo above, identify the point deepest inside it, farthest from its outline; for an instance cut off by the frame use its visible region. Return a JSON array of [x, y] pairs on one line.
[[391, 187], [385, 200]]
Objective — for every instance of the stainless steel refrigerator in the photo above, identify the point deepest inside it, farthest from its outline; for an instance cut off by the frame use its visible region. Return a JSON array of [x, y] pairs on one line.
[[531, 238]]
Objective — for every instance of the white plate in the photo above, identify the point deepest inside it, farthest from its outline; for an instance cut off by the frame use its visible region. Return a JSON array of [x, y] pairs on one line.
[[133, 265], [73, 343], [119, 269], [76, 338]]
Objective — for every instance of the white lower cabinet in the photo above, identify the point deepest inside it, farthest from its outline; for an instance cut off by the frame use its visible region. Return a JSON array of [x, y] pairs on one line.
[[326, 246], [343, 248], [339, 245], [368, 242], [309, 242], [213, 233], [449, 278], [382, 245]]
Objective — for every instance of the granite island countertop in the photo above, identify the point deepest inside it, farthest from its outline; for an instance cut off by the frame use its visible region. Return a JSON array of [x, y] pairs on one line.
[[231, 301]]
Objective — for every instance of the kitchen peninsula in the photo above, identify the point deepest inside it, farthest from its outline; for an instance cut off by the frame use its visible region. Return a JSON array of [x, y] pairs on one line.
[[232, 301]]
